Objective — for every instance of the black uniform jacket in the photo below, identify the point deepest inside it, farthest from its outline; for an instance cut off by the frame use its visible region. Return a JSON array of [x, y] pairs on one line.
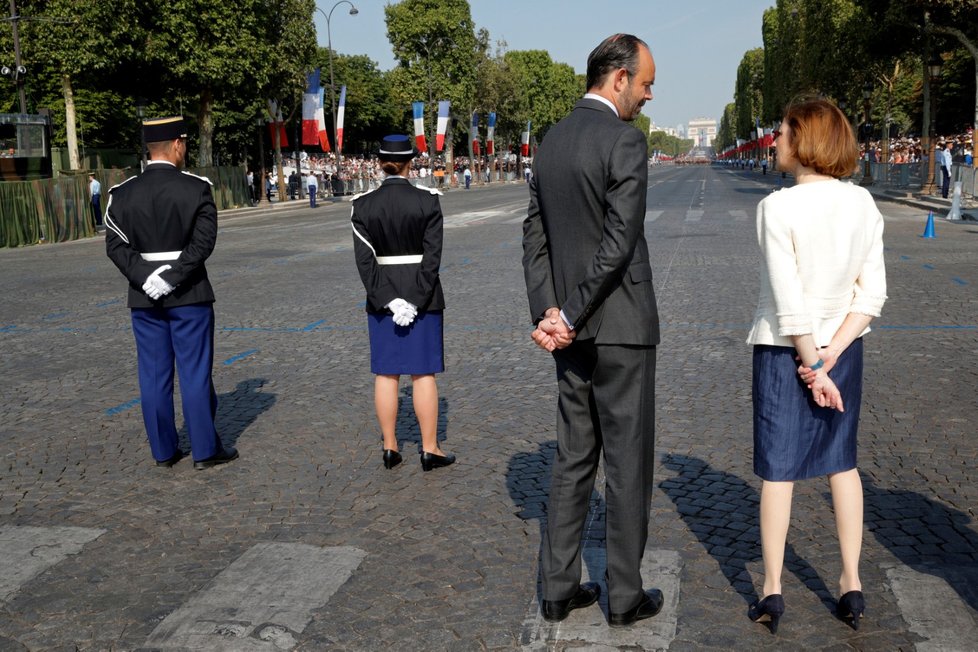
[[398, 219], [163, 210]]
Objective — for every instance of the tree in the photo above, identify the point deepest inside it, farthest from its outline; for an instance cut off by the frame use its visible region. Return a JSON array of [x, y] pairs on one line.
[[436, 49], [726, 135], [222, 50], [369, 112], [545, 91], [748, 93]]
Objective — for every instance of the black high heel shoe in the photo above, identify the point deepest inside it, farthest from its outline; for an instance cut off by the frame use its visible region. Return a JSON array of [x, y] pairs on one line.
[[391, 458], [772, 606], [431, 461], [851, 605]]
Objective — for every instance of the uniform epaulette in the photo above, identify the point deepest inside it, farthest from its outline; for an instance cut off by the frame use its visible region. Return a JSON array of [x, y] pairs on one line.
[[361, 194], [123, 182], [433, 191], [191, 174]]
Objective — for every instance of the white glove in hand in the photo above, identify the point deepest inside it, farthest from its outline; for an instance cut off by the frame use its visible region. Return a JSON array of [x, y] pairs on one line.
[[406, 315], [396, 304], [155, 287]]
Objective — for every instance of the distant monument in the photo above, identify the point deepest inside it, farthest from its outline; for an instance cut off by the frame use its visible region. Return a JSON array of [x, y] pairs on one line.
[[702, 131]]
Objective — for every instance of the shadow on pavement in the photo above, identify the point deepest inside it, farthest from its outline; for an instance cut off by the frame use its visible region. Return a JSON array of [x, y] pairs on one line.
[[925, 535], [406, 425], [236, 410], [528, 482], [721, 509]]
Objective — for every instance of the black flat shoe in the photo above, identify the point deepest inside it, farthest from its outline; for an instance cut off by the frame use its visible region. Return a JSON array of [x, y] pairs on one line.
[[223, 457], [851, 606], [431, 461], [648, 606], [391, 458], [771, 607], [179, 455], [587, 594]]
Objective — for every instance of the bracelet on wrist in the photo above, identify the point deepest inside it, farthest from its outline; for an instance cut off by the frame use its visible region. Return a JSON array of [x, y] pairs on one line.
[[817, 365]]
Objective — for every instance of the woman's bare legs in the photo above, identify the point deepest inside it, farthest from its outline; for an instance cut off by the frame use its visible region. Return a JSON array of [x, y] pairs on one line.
[[847, 501], [426, 410], [775, 517], [385, 402]]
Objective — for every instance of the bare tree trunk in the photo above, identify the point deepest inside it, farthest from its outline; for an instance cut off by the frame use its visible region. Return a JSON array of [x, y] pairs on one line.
[[205, 120], [70, 127]]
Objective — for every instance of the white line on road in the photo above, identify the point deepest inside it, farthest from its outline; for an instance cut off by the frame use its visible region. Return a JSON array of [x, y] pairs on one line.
[[261, 601], [738, 215], [652, 216], [27, 551], [660, 569], [693, 215], [934, 610]]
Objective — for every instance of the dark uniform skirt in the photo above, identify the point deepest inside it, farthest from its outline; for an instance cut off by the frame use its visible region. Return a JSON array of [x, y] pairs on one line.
[[416, 349], [794, 438]]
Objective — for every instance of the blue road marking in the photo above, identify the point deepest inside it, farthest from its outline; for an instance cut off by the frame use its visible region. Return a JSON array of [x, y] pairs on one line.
[[904, 257], [928, 266], [122, 407], [54, 315], [235, 358], [313, 325], [959, 281]]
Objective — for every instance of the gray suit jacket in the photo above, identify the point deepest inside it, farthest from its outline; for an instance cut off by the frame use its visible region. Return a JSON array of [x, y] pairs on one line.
[[584, 246]]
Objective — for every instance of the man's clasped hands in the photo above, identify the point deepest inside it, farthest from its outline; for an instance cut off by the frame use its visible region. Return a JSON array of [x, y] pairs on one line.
[[155, 287], [552, 332]]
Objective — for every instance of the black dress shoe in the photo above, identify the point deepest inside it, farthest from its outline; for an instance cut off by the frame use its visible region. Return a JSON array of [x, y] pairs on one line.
[[179, 455], [648, 606], [431, 461], [391, 458], [587, 594], [223, 457]]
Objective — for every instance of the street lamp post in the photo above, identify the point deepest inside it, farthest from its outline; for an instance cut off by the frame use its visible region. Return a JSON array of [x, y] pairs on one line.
[[867, 173], [332, 86], [933, 73], [140, 112]]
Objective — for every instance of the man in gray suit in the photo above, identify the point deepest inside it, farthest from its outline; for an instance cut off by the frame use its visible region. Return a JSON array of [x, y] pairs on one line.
[[589, 284]]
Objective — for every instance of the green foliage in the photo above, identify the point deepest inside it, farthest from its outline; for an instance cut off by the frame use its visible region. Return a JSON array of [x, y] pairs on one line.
[[748, 93], [669, 145], [726, 135], [369, 115], [545, 91]]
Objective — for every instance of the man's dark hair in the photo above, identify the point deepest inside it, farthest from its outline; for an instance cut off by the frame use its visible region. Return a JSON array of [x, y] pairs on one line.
[[616, 51]]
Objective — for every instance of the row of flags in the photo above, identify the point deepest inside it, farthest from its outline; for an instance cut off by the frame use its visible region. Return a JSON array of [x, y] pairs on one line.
[[314, 122]]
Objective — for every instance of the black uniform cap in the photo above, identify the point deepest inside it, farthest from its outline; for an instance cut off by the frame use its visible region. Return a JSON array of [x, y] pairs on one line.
[[161, 129], [396, 148]]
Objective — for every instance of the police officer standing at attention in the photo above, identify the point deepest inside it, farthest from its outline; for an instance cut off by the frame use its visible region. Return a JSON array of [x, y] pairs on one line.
[[160, 228]]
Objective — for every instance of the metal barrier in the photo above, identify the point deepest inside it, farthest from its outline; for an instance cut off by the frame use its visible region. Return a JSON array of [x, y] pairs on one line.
[[910, 176]]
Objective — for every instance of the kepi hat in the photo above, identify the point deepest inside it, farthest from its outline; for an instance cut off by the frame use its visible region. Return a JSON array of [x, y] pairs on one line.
[[157, 130], [396, 148]]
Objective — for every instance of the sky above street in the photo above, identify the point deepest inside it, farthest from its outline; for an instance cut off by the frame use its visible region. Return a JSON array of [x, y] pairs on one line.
[[697, 44]]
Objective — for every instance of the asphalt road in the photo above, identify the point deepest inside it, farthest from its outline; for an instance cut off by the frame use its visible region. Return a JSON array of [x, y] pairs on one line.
[[307, 543]]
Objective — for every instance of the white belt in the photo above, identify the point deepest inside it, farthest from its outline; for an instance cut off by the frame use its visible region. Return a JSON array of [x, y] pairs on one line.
[[399, 260], [161, 255]]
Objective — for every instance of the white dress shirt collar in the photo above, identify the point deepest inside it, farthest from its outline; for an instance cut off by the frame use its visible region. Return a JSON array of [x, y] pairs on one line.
[[605, 100]]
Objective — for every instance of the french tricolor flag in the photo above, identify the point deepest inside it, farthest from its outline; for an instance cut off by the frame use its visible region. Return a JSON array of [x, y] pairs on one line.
[[474, 133], [443, 107], [276, 124], [321, 124], [491, 134], [310, 103], [525, 140], [419, 126], [340, 113]]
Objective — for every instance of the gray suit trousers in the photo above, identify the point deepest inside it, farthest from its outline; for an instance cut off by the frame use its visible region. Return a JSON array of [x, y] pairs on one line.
[[606, 403]]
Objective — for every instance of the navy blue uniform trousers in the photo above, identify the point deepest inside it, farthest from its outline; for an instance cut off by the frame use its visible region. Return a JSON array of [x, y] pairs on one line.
[[185, 335]]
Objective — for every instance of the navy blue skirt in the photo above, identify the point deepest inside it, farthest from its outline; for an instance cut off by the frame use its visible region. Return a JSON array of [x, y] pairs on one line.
[[416, 349], [794, 438]]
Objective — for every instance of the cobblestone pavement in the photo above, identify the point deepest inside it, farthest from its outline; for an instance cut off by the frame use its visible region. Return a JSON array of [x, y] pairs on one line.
[[448, 560]]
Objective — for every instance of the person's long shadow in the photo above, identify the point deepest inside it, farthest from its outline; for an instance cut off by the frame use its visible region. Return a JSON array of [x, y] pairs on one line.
[[406, 426], [236, 410], [528, 482], [721, 509], [925, 535]]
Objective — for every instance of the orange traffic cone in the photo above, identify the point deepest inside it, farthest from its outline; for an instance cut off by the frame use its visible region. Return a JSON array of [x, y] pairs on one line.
[[929, 229]]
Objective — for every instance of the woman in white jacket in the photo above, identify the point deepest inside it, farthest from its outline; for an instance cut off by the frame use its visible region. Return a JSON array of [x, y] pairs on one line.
[[822, 282]]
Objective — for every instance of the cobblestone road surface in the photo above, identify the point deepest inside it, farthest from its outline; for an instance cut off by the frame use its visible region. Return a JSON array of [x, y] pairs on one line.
[[102, 550]]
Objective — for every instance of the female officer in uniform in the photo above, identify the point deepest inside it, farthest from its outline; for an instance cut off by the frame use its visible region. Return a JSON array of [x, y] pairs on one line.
[[397, 238]]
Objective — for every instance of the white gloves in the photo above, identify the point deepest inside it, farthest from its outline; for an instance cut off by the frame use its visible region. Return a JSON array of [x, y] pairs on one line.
[[155, 287], [404, 312]]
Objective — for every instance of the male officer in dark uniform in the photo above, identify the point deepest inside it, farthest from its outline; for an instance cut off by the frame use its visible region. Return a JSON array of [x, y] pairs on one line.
[[160, 228]]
